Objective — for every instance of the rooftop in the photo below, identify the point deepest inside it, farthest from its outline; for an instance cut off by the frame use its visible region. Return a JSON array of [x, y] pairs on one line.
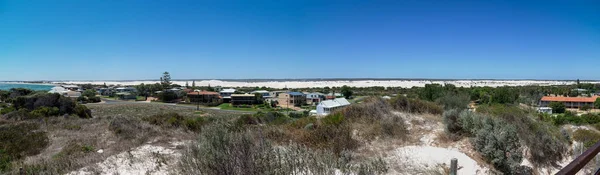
[[334, 103], [295, 93], [260, 91], [203, 93], [228, 91], [242, 95], [570, 99]]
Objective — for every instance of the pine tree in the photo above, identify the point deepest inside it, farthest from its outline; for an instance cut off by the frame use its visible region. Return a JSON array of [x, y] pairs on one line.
[[194, 84], [186, 85]]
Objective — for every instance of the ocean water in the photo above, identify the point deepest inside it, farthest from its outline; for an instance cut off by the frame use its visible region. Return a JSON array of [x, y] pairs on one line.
[[35, 87]]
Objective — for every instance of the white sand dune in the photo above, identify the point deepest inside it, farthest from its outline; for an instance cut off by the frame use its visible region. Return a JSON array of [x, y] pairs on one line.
[[358, 83]]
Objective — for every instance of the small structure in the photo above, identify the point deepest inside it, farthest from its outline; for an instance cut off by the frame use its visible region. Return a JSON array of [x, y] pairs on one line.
[[72, 87], [328, 106], [314, 98], [125, 89], [125, 95], [289, 99], [332, 96], [244, 99], [547, 110], [226, 94], [386, 97], [204, 97], [264, 93], [570, 102]]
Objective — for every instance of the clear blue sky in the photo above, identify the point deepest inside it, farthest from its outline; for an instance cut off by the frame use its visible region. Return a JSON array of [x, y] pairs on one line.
[[125, 40]]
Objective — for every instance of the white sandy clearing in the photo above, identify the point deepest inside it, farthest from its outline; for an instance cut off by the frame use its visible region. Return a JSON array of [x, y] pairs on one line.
[[146, 159], [415, 159], [326, 83]]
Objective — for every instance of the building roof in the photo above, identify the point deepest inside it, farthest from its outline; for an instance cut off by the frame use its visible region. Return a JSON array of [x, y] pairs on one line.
[[334, 103], [242, 95], [259, 91], [70, 86], [203, 93], [295, 93], [570, 99], [227, 91]]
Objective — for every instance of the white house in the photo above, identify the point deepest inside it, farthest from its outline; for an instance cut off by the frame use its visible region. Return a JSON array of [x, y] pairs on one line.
[[265, 94], [547, 110], [328, 106], [226, 94]]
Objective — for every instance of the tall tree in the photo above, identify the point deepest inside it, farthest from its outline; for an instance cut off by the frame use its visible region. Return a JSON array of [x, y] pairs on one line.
[[346, 91], [193, 84], [186, 85], [104, 85], [165, 80]]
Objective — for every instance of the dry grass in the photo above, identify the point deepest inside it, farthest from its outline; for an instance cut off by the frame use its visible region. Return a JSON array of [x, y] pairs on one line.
[[74, 141]]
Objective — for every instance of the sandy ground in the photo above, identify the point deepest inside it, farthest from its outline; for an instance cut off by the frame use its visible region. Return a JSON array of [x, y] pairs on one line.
[[361, 83], [146, 159]]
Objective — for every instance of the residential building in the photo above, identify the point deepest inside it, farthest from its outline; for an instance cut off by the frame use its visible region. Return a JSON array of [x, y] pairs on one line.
[[244, 99], [332, 96], [329, 106], [290, 99], [204, 97], [71, 94], [265, 94], [126, 89], [314, 98], [125, 96], [570, 102], [547, 110], [72, 87], [275, 94], [226, 94]]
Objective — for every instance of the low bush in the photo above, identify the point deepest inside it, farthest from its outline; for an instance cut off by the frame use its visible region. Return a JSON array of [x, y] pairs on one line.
[[415, 105], [219, 151], [454, 101], [6, 110], [82, 111], [129, 128], [20, 140], [499, 144], [46, 111], [587, 137]]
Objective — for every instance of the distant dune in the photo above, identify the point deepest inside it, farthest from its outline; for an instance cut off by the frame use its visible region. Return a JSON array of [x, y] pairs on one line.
[[338, 83]]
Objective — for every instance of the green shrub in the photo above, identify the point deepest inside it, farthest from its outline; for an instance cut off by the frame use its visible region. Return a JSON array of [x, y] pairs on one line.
[[587, 137], [557, 107], [128, 128], [175, 120], [452, 121], [7, 110], [222, 152], [46, 111], [415, 105], [333, 119], [20, 140], [454, 101], [82, 111], [499, 144]]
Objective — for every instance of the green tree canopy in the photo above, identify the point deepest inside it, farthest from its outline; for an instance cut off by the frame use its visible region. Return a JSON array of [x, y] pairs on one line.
[[558, 107], [346, 91]]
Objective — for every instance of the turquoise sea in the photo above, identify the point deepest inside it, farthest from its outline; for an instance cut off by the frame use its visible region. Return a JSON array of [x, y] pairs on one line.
[[35, 87]]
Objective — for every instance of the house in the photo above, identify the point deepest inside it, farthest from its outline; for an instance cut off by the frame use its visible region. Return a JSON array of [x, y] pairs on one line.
[[125, 89], [244, 99], [226, 94], [265, 94], [328, 106], [275, 94], [314, 98], [125, 96], [204, 97], [570, 102], [289, 99], [71, 94], [72, 87], [332, 96], [547, 110]]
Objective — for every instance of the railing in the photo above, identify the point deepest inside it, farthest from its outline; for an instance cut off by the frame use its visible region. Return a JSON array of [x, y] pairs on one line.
[[581, 161]]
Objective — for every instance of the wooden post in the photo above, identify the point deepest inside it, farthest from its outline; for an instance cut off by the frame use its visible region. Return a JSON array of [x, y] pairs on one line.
[[21, 172], [453, 166]]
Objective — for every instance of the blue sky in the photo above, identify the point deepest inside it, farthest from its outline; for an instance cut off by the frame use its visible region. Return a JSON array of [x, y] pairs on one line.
[[127, 39]]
